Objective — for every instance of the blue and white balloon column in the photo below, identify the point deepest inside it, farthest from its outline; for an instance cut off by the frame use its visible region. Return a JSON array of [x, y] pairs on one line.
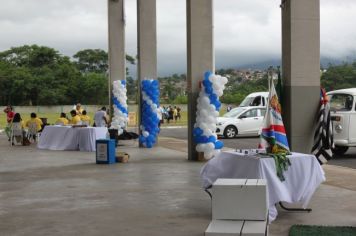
[[149, 112], [208, 107], [120, 116]]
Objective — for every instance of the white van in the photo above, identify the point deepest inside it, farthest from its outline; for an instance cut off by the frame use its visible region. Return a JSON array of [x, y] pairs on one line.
[[255, 99], [343, 116]]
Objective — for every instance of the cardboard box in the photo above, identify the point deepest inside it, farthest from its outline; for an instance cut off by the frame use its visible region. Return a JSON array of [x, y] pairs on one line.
[[122, 157], [239, 199], [105, 151]]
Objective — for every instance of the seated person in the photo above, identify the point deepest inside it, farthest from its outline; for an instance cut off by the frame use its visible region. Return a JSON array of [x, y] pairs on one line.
[[75, 118], [62, 119], [85, 118], [34, 120], [34, 125], [18, 120]]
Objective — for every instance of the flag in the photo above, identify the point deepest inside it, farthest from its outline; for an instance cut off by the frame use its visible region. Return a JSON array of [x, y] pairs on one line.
[[273, 135], [323, 136]]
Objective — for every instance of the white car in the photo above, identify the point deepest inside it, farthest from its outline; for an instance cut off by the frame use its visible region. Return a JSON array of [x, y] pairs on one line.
[[246, 121], [343, 116]]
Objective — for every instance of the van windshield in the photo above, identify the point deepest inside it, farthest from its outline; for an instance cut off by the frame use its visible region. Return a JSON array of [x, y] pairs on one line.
[[341, 102], [251, 101]]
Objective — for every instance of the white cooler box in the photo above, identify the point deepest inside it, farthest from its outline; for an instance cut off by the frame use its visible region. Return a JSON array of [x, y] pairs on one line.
[[239, 199]]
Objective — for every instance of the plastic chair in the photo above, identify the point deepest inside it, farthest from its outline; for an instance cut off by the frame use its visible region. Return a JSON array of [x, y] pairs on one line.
[[32, 131], [85, 122], [16, 133]]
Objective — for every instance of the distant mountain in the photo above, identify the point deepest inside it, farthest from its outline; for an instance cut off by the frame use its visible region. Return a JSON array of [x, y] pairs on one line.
[[324, 61]]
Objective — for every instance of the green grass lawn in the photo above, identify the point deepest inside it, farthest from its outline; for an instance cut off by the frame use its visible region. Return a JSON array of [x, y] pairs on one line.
[[52, 117]]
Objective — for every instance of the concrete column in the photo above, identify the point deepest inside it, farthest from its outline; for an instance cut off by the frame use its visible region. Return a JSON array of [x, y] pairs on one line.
[[117, 55], [300, 70], [146, 43], [200, 56]]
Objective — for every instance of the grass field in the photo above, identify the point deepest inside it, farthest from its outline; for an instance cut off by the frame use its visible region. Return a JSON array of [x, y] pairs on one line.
[[52, 117]]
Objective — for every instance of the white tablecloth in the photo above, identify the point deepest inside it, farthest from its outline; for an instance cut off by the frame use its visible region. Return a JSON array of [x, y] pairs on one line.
[[69, 138], [302, 177]]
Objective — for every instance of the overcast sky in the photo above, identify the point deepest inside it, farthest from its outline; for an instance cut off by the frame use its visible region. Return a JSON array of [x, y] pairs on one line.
[[246, 31]]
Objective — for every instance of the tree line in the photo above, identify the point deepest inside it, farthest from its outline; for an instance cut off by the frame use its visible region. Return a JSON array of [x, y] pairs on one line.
[[39, 75]]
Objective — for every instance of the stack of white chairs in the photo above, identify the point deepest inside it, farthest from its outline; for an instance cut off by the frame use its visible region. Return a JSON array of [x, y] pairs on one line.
[[239, 207], [16, 133]]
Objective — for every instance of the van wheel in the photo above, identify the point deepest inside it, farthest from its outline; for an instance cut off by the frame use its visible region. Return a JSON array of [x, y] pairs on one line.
[[339, 150], [230, 132]]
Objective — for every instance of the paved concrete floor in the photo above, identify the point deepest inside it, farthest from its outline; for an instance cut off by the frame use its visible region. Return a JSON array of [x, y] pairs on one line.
[[157, 193]]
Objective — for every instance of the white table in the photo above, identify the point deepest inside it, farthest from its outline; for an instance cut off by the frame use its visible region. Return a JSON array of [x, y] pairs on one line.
[[302, 177], [69, 138]]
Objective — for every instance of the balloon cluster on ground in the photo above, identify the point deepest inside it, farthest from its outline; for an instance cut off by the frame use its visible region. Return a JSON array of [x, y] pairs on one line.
[[120, 116], [149, 113], [208, 106]]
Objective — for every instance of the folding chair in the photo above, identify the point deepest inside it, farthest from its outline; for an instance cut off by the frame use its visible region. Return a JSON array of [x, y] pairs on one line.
[[32, 131], [16, 134]]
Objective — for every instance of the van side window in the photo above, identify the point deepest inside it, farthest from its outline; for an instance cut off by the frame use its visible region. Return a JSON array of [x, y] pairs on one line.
[[256, 101]]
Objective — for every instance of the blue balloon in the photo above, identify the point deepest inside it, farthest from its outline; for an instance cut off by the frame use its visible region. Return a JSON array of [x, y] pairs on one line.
[[218, 144], [208, 90], [211, 139], [207, 75]]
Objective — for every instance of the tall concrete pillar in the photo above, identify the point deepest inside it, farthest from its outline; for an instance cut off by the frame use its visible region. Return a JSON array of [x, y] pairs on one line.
[[300, 70], [117, 55], [146, 43], [200, 57]]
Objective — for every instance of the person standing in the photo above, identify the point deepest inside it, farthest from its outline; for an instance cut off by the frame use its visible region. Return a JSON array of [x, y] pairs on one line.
[[160, 116], [170, 113], [9, 116], [100, 118], [175, 114], [79, 109], [179, 110], [228, 108]]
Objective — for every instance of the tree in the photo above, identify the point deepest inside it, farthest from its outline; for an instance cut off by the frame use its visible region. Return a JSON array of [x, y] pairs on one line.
[[30, 56], [92, 60], [95, 60]]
